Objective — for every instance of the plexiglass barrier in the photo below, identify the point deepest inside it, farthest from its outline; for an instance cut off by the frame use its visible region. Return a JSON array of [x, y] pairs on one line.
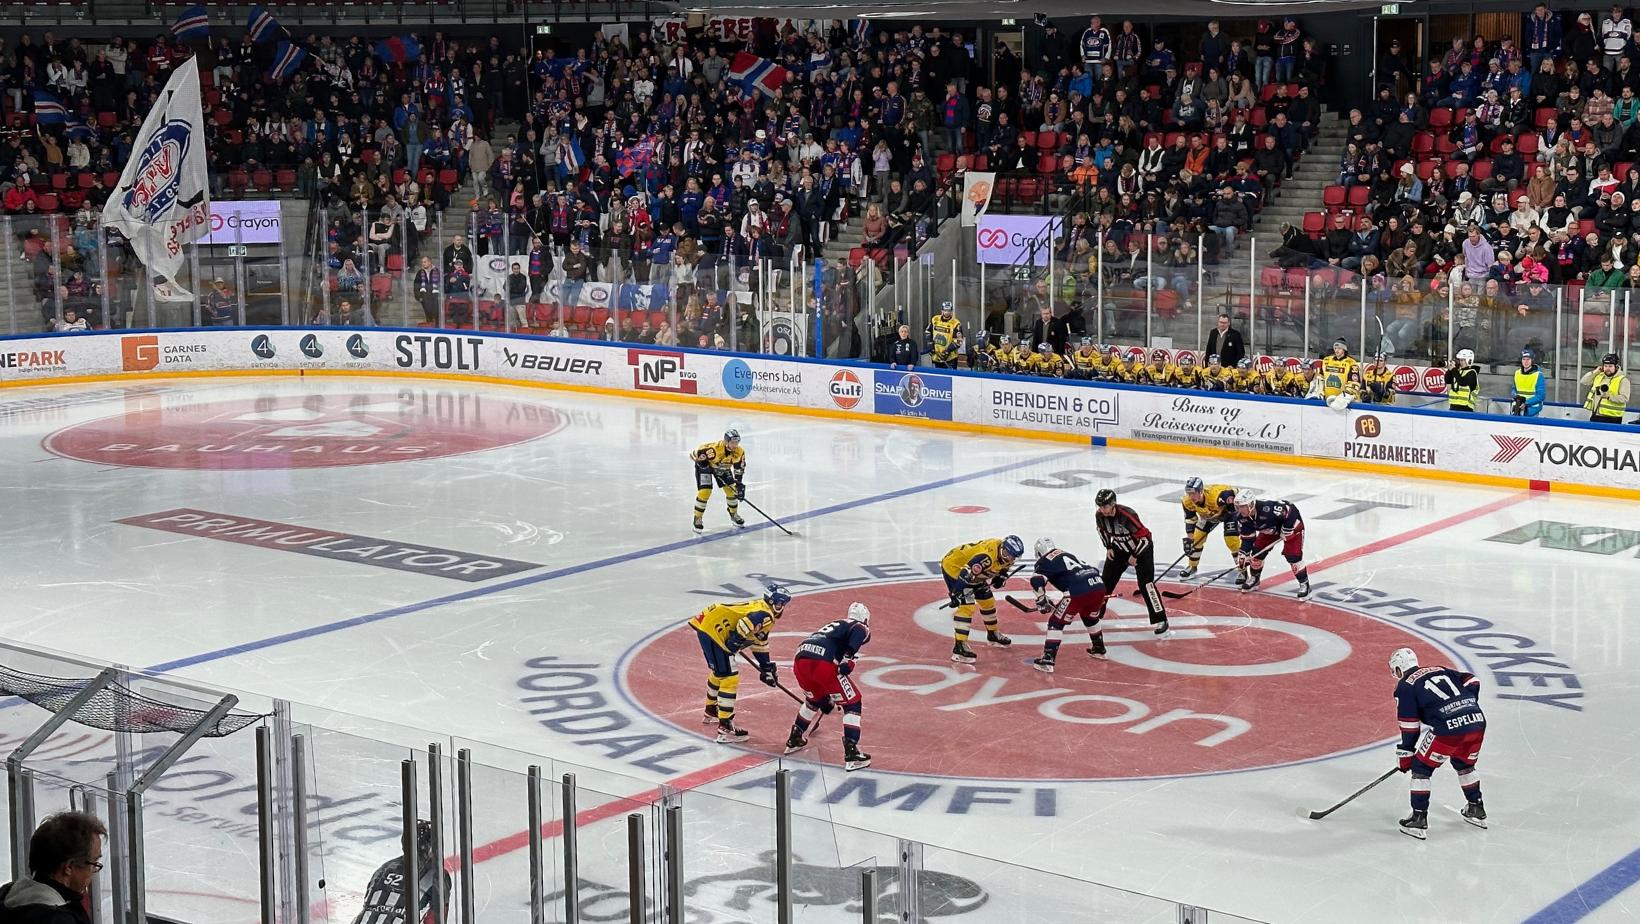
[[301, 814]]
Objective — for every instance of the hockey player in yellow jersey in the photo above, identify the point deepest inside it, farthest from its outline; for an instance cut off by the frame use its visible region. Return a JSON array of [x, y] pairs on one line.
[[971, 572], [1247, 378], [721, 463], [1378, 381], [1293, 383], [1338, 369], [1213, 377], [1047, 363], [944, 334], [1001, 356], [724, 631], [1119, 369], [1159, 372], [1186, 374], [1085, 362], [1204, 506]]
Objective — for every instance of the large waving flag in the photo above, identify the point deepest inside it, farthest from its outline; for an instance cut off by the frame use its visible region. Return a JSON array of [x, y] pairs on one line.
[[48, 109], [161, 202], [399, 49], [193, 23], [262, 26], [755, 73], [286, 60]]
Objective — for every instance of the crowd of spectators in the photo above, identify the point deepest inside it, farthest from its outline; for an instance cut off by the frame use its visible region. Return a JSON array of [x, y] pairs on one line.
[[1493, 174]]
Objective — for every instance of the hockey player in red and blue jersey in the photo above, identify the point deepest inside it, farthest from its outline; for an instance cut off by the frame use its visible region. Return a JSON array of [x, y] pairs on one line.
[[1082, 590], [1259, 523], [822, 667], [1448, 701]]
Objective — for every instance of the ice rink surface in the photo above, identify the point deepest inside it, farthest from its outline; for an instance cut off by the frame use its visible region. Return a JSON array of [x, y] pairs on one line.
[[513, 568]]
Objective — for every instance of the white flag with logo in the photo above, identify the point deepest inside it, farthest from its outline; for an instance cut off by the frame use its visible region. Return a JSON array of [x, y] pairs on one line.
[[491, 276], [162, 201], [976, 195]]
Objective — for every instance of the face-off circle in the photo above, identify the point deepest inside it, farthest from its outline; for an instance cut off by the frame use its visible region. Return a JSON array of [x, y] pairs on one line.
[[1242, 682], [304, 431]]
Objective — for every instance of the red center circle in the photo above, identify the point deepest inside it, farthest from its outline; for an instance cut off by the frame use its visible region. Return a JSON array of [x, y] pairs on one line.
[[1243, 681], [304, 431]]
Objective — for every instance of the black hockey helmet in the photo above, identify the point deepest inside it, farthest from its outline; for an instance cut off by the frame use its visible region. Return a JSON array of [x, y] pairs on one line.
[[425, 846], [1105, 496]]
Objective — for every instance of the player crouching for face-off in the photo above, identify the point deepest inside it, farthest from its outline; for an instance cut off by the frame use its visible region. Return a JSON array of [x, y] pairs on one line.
[[1448, 701], [724, 631], [721, 463], [1207, 506], [1082, 594], [1259, 523], [822, 667], [971, 572]]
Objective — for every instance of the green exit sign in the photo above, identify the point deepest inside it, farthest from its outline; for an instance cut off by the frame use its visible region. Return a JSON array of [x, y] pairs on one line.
[[238, 250], [1390, 9]]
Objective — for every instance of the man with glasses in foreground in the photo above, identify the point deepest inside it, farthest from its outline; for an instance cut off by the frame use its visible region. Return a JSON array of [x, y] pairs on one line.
[[63, 856]]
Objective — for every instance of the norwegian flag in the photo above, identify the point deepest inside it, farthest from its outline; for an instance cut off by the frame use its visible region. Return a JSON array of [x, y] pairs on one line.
[[752, 72]]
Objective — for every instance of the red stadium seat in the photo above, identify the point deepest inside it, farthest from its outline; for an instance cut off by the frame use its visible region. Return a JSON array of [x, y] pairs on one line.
[[1526, 144], [1440, 118], [1359, 195], [1047, 141], [1047, 164], [395, 263], [107, 119], [1270, 277], [1333, 196], [85, 179], [1314, 224], [262, 180], [285, 178], [59, 181], [1481, 169], [1029, 137], [238, 180], [449, 179], [48, 202], [381, 286], [1423, 143]]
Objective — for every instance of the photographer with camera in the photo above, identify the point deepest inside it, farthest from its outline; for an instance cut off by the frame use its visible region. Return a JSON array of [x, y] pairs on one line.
[[1608, 391], [1529, 387]]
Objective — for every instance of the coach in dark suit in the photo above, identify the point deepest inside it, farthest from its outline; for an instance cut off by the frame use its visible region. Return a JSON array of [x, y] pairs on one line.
[[1225, 342]]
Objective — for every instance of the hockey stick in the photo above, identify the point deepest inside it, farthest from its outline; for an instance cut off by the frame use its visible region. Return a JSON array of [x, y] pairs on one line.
[[747, 502], [1177, 595], [815, 725], [1017, 568], [1139, 592], [740, 495], [1317, 816]]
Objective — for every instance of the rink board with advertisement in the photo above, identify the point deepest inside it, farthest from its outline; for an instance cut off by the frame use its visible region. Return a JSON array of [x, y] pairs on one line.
[[1547, 455]]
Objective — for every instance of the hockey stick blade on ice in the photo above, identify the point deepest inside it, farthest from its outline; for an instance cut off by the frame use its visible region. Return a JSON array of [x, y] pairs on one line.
[[1180, 595], [1317, 816]]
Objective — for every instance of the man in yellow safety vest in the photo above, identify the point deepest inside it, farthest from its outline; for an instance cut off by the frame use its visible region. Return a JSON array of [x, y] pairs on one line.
[[1463, 383], [1608, 391], [1529, 387]]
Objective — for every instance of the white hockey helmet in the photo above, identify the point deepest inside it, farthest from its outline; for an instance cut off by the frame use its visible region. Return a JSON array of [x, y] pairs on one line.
[[1403, 662], [858, 612], [1466, 356], [1245, 498], [1044, 546]]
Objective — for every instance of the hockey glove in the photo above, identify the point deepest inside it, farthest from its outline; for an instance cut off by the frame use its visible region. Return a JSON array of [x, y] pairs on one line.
[[958, 599], [769, 674], [1243, 559], [845, 667], [998, 581], [1043, 604], [1189, 545], [740, 489], [1403, 760]]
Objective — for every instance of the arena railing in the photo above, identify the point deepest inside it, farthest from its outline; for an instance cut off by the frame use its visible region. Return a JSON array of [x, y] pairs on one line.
[[294, 819]]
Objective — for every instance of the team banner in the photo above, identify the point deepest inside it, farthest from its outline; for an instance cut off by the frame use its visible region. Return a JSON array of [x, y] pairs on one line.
[[976, 195], [162, 201]]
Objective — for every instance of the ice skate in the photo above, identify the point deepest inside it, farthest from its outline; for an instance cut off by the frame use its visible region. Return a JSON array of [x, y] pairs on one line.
[[728, 731], [1043, 664], [700, 525], [962, 654], [997, 639], [1416, 825], [1096, 646], [1251, 581], [711, 716], [734, 517], [854, 758], [1188, 572], [795, 741], [1475, 813], [1303, 589]]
